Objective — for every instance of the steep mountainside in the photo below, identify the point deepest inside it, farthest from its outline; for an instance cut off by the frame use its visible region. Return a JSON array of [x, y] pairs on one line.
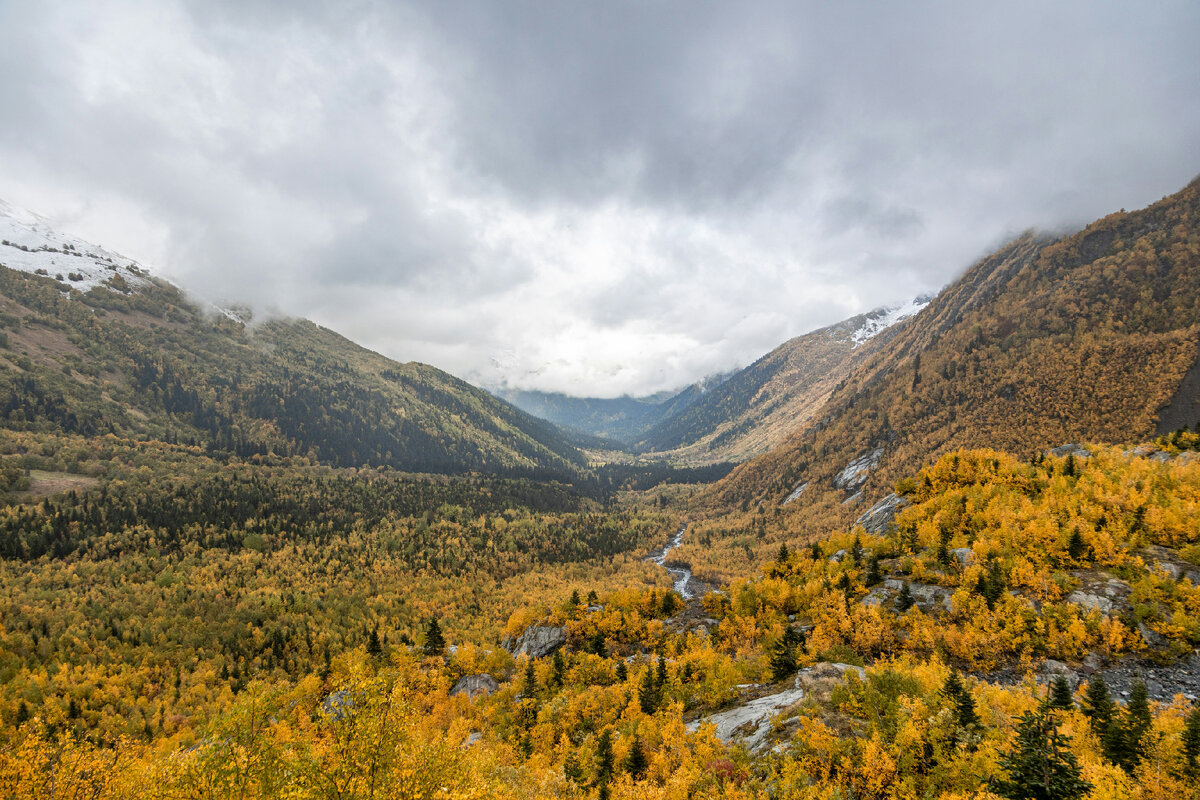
[[1084, 338], [92, 344], [757, 407]]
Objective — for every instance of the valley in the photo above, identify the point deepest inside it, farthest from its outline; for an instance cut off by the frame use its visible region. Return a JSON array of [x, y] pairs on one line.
[[246, 558]]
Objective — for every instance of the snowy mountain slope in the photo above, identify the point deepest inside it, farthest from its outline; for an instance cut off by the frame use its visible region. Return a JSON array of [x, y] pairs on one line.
[[28, 243]]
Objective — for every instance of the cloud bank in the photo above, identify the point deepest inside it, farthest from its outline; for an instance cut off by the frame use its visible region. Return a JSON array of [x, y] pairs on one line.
[[596, 198]]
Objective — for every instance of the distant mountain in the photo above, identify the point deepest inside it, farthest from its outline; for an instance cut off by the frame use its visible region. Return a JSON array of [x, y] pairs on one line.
[[757, 407], [734, 416], [1093, 336], [90, 343], [621, 419]]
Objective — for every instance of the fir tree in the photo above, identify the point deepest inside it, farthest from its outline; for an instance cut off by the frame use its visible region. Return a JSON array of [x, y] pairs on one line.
[[571, 769], [22, 714], [784, 555], [1041, 764], [904, 601], [1060, 695], [874, 576], [529, 685], [1098, 707], [435, 643], [856, 551], [1125, 740], [1076, 547], [559, 666], [622, 671], [635, 762], [604, 758], [815, 551], [647, 694], [373, 646], [783, 655], [1191, 742]]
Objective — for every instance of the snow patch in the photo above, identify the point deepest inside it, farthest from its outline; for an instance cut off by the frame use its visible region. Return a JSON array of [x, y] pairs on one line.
[[881, 319], [28, 243]]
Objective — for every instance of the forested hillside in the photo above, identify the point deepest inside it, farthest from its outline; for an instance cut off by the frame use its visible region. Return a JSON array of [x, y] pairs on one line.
[[145, 361], [1046, 341]]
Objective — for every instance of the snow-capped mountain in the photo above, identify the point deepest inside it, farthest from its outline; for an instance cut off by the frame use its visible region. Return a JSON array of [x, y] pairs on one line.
[[29, 243], [881, 319]]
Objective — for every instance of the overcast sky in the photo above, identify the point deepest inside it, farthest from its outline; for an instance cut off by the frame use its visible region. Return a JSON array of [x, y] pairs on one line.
[[591, 197]]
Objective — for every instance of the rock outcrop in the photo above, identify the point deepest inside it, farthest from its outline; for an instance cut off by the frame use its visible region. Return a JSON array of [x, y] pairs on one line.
[[536, 641], [855, 473], [876, 519], [750, 723], [474, 685]]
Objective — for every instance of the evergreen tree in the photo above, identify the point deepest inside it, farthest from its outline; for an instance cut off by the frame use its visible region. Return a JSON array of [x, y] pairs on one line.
[[604, 758], [784, 555], [660, 677], [874, 576], [72, 709], [571, 769], [1076, 546], [904, 601], [647, 694], [1125, 740], [635, 762], [22, 714], [1098, 707], [1191, 742], [622, 671], [559, 667], [959, 696], [435, 643], [1060, 695], [1040, 765], [575, 601], [815, 551], [783, 655], [373, 646], [529, 685]]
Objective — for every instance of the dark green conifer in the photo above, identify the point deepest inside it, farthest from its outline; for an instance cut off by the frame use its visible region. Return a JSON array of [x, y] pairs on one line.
[[622, 671], [373, 646], [856, 551], [559, 667], [1076, 546], [529, 684], [874, 576], [435, 643], [604, 758], [647, 693], [635, 762], [904, 601], [783, 655], [1060, 695], [1041, 765], [782, 558], [1191, 742], [1098, 707], [571, 769]]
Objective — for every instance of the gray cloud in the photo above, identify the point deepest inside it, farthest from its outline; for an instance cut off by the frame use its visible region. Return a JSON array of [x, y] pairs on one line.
[[591, 197]]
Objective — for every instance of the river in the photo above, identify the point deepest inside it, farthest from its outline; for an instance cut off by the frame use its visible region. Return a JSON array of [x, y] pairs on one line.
[[682, 575]]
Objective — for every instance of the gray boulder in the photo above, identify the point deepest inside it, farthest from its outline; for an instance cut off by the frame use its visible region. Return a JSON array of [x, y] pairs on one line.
[[536, 641], [474, 685]]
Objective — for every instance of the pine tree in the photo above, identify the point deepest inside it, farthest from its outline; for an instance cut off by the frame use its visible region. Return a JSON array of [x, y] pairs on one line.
[[815, 550], [435, 643], [647, 695], [635, 762], [783, 655], [1060, 695], [784, 555], [1076, 546], [874, 576], [604, 758], [529, 685], [856, 551], [1041, 764], [1191, 742], [22, 714], [1098, 707], [904, 601], [559, 667], [1125, 741], [571, 769], [373, 646], [622, 671]]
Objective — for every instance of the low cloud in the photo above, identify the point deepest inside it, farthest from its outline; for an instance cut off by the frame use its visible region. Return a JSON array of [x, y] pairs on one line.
[[593, 198]]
